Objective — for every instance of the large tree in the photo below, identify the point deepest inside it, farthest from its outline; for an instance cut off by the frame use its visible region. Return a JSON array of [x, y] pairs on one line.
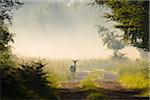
[[132, 17], [6, 8]]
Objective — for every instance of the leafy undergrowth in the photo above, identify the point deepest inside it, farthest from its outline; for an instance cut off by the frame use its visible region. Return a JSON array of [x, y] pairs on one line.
[[26, 81], [89, 81], [135, 75], [23, 81], [134, 81]]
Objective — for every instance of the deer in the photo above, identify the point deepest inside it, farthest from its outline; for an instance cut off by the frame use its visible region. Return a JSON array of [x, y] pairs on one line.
[[73, 66]]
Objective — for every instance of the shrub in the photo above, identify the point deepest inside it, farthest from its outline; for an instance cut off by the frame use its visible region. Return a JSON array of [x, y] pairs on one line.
[[134, 81], [36, 79], [134, 75], [29, 81], [89, 81]]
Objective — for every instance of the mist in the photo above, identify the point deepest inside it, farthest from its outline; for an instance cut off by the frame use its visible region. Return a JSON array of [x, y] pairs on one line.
[[61, 29]]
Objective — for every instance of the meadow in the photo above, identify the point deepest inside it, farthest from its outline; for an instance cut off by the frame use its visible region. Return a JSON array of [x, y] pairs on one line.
[[22, 77], [131, 74]]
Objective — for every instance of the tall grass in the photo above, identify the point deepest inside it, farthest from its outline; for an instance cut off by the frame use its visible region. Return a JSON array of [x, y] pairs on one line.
[[58, 71], [134, 75], [89, 81]]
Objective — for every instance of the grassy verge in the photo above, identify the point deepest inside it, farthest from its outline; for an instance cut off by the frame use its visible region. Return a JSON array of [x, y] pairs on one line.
[[135, 75]]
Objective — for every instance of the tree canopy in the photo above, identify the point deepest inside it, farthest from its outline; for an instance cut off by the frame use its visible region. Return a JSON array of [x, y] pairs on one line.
[[132, 17], [6, 8], [6, 16]]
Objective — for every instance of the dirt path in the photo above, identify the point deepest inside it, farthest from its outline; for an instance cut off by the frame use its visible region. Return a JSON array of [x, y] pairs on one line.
[[109, 90]]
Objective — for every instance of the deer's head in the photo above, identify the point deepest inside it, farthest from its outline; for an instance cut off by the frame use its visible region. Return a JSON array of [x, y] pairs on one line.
[[75, 61]]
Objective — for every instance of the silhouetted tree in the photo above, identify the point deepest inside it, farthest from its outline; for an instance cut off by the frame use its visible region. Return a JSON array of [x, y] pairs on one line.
[[36, 80], [29, 81], [132, 17]]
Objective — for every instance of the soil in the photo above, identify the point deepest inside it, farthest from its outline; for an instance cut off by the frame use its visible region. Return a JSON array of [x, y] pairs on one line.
[[108, 89]]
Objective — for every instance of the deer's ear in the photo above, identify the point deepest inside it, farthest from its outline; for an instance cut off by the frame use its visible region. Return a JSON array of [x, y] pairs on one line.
[[75, 60]]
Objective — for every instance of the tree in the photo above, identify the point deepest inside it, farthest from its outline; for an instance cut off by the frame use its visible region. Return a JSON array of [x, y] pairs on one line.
[[111, 40], [28, 81], [132, 17], [6, 8], [35, 80]]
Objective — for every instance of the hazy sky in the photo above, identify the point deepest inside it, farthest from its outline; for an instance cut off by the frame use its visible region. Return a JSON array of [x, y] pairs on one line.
[[60, 29]]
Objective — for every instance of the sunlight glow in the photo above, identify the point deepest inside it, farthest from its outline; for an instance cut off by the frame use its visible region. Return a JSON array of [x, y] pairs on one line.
[[54, 30]]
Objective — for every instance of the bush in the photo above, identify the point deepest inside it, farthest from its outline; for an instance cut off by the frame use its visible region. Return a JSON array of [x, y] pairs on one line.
[[134, 81], [89, 81], [12, 86], [134, 75], [29, 81], [36, 79]]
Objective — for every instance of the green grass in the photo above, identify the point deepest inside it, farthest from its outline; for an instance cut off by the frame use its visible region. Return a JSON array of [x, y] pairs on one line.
[[132, 74], [58, 70], [135, 75], [134, 81], [89, 81]]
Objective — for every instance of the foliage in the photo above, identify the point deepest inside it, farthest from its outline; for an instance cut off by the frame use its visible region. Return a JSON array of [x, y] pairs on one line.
[[6, 8], [58, 70], [134, 75], [134, 81], [128, 67], [111, 40], [27, 81], [133, 19], [5, 39], [89, 81], [11, 86]]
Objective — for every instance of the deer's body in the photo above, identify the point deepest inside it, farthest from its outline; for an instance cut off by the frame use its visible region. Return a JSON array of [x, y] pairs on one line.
[[73, 66]]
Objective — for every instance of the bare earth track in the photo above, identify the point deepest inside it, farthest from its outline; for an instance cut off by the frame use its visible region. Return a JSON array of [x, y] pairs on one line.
[[111, 90]]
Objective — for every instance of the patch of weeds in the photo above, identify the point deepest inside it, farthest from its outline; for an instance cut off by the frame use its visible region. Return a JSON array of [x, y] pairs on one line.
[[89, 81], [134, 81]]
